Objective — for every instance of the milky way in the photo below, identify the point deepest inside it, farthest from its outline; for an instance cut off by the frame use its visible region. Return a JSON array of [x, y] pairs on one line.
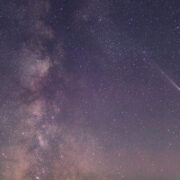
[[80, 98]]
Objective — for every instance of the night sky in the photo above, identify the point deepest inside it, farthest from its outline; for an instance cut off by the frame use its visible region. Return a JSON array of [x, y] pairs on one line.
[[89, 90]]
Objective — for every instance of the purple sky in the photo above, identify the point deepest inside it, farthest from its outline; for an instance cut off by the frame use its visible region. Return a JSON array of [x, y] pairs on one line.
[[89, 90]]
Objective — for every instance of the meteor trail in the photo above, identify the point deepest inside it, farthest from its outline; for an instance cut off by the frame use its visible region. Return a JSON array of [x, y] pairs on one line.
[[169, 79], [155, 66]]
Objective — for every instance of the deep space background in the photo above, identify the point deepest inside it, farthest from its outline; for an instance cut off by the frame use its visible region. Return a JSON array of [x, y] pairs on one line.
[[89, 90]]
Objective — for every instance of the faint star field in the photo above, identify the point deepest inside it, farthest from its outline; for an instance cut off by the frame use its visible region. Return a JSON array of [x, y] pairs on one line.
[[90, 90]]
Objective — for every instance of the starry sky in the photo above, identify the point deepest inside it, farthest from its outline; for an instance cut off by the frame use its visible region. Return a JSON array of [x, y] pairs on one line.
[[90, 90]]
